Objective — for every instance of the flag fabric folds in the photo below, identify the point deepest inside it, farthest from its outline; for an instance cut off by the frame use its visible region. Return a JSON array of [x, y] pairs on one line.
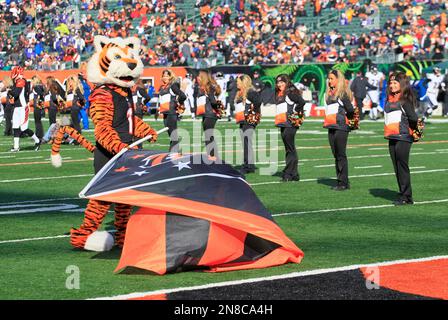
[[193, 214]]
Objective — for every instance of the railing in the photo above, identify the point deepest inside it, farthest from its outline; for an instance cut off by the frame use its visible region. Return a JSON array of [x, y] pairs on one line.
[[324, 21], [375, 18]]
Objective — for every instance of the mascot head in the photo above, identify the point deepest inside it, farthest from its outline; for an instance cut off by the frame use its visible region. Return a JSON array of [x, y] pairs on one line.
[[16, 72], [115, 61]]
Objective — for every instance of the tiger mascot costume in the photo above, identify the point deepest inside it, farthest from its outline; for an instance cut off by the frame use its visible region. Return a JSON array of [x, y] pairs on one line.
[[57, 138], [113, 69]]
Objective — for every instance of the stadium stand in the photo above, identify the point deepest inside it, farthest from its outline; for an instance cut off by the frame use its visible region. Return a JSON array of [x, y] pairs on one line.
[[57, 34]]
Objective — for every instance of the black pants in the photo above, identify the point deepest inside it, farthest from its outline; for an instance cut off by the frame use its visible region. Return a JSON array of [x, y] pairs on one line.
[[74, 115], [445, 105], [170, 121], [338, 142], [18, 133], [38, 122], [52, 113], [359, 106], [9, 111], [208, 125], [292, 160], [399, 153], [247, 133], [231, 103], [138, 111]]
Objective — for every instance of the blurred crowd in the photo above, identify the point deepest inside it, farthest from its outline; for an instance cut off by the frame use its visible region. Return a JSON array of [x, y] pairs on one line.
[[57, 34]]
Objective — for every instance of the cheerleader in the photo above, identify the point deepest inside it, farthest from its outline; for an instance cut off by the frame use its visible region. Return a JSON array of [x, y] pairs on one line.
[[208, 107], [338, 111], [142, 99], [38, 105], [19, 96], [288, 100], [247, 108], [7, 106], [75, 100], [400, 120], [188, 87], [52, 98], [171, 100]]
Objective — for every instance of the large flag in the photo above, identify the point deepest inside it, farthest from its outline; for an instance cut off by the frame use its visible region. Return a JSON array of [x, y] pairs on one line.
[[193, 214]]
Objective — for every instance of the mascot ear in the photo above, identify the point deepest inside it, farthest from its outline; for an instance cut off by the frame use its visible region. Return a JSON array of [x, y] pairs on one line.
[[99, 42], [133, 43]]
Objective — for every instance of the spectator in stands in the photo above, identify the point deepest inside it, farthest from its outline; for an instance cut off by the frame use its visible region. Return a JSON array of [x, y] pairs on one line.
[[252, 28]]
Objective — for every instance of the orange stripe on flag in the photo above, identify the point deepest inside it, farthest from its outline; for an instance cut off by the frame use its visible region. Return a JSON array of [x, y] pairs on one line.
[[231, 218], [227, 241], [141, 247]]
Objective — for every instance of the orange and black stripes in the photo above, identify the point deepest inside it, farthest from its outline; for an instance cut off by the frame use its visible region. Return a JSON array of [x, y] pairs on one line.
[[93, 217], [56, 146], [103, 105], [104, 61], [102, 114], [142, 129], [122, 214]]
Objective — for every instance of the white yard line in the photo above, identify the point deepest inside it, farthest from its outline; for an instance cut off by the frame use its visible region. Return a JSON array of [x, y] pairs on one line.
[[254, 184], [46, 178], [39, 201], [270, 278], [35, 239], [351, 177], [355, 208], [369, 167], [274, 215], [38, 157]]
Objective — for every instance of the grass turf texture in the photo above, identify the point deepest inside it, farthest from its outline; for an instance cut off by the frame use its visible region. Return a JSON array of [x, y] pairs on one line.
[[37, 269]]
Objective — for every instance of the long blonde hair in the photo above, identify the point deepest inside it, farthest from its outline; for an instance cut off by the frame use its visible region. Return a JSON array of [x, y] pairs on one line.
[[7, 81], [246, 84], [35, 80], [76, 84], [342, 87], [206, 81]]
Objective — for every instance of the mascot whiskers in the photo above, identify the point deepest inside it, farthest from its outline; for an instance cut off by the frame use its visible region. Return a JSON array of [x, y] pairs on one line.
[[113, 69]]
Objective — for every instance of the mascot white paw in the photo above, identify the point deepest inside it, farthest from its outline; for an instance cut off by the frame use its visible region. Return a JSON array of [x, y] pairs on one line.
[[56, 160], [99, 241]]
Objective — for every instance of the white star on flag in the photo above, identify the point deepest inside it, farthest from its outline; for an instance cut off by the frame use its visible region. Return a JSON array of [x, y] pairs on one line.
[[139, 173], [180, 165]]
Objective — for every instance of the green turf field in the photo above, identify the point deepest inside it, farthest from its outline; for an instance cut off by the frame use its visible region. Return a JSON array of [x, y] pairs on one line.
[[361, 225]]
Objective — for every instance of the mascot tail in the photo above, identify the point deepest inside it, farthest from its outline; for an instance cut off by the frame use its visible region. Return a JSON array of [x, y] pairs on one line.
[[56, 159]]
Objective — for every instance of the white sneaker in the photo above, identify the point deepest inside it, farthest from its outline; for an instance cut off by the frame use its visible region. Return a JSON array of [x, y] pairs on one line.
[[15, 150]]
